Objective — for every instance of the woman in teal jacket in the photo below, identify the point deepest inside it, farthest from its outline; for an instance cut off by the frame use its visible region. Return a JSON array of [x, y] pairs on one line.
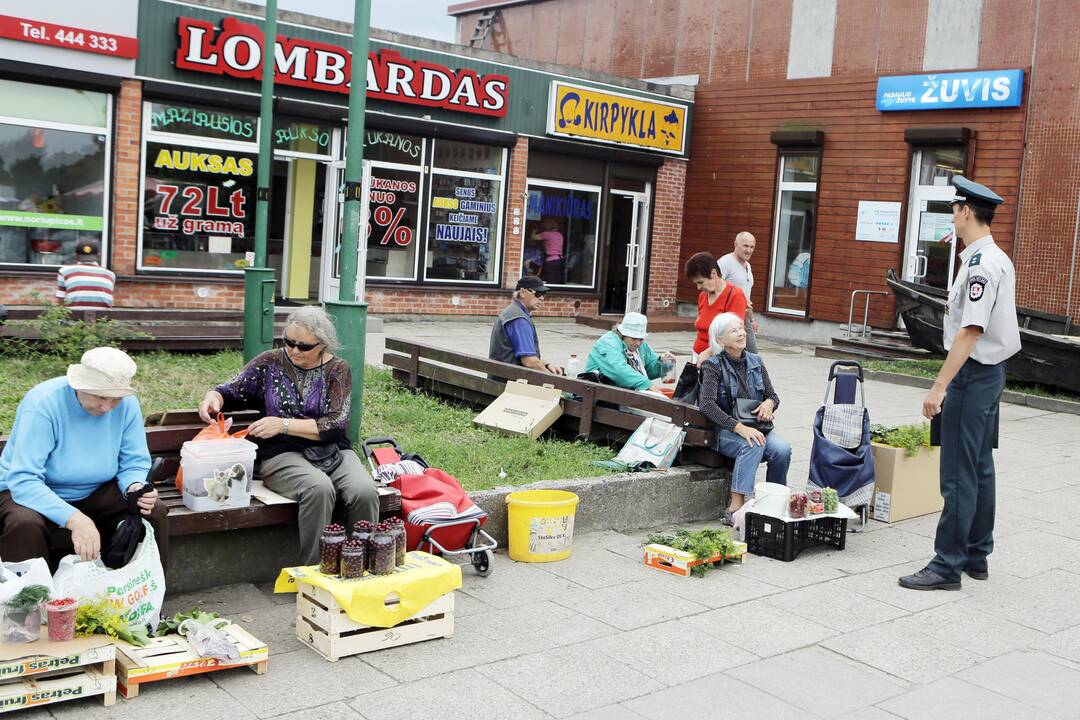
[[623, 356]]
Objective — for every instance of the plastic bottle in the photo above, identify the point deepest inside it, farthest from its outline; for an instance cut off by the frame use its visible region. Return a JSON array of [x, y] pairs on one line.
[[573, 367]]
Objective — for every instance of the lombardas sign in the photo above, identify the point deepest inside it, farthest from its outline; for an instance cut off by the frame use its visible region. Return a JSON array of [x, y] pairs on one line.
[[236, 51]]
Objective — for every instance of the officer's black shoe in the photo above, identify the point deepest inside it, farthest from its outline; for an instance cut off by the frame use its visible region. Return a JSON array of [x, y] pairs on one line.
[[976, 574], [927, 579]]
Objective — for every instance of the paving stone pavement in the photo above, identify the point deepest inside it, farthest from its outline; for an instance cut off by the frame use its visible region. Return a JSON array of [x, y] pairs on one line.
[[600, 636]]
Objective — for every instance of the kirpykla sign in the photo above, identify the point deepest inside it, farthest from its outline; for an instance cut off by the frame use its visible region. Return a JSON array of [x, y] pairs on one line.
[[236, 51], [72, 38]]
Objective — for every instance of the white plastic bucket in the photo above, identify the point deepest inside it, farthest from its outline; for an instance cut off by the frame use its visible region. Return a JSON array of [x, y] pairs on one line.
[[228, 461], [771, 499]]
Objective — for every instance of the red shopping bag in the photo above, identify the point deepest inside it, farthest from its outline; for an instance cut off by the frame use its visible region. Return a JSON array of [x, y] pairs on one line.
[[434, 486]]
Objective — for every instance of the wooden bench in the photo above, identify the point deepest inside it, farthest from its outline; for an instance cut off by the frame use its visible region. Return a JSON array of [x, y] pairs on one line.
[[167, 432], [596, 412]]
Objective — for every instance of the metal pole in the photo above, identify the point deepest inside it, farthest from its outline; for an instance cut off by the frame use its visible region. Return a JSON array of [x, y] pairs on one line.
[[351, 315], [259, 279]]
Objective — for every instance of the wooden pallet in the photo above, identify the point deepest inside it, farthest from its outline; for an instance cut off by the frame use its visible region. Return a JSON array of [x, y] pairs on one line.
[[323, 626], [47, 679], [173, 656]]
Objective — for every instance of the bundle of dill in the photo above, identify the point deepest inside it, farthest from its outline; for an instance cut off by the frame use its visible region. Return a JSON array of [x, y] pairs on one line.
[[702, 544]]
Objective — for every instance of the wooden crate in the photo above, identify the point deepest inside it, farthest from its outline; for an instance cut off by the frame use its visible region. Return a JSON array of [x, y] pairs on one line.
[[48, 679], [173, 656], [322, 625]]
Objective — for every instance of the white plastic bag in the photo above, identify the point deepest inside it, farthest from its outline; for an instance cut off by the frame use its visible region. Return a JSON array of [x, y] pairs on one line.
[[138, 588], [655, 441], [14, 576]]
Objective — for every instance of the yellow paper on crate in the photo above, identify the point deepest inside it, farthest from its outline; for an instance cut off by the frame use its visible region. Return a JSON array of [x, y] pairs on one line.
[[413, 586]]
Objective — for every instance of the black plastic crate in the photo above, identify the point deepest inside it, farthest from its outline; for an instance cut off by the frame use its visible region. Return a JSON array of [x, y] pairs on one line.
[[784, 540]]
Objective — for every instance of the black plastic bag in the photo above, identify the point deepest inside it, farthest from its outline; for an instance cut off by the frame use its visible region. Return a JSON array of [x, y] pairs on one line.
[[131, 531]]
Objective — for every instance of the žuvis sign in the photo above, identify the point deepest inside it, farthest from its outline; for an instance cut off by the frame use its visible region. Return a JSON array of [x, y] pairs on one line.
[[236, 51], [951, 91]]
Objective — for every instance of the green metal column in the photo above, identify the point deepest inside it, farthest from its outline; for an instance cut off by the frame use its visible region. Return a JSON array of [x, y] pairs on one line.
[[351, 316], [256, 339]]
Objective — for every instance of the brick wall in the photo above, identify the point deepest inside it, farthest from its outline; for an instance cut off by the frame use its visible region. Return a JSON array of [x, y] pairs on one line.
[[515, 201], [125, 178], [667, 225], [732, 174]]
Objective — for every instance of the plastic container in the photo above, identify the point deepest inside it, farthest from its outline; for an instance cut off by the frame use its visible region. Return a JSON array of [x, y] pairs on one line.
[[217, 473], [573, 366], [61, 614], [20, 626], [771, 499], [541, 524]]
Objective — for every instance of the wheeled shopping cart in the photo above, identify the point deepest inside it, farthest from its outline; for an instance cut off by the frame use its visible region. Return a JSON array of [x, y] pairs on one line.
[[841, 456], [439, 516]]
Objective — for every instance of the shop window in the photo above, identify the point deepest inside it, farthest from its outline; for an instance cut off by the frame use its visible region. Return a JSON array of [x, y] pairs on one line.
[[307, 138], [54, 151], [394, 203], [793, 233], [392, 147], [202, 122], [464, 212], [198, 207], [938, 165], [561, 222]]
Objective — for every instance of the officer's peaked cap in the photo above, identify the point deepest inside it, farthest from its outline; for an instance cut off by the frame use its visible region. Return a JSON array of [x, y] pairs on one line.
[[968, 191]]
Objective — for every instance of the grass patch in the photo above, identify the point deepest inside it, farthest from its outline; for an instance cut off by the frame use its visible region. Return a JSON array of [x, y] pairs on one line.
[[930, 368], [440, 431]]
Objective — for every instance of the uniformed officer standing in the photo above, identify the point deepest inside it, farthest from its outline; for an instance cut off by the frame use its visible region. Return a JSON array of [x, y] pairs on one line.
[[981, 333]]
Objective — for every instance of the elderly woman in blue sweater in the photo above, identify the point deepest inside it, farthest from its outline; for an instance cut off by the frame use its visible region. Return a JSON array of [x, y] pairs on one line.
[[733, 373], [623, 357]]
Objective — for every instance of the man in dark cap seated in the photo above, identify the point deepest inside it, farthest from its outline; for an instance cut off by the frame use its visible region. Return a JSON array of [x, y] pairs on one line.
[[981, 333], [85, 285], [513, 336]]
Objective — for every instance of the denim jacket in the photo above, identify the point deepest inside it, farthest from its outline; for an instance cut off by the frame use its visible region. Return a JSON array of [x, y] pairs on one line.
[[728, 385]]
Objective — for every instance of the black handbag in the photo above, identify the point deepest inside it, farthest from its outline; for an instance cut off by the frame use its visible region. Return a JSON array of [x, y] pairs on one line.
[[325, 457], [742, 409]]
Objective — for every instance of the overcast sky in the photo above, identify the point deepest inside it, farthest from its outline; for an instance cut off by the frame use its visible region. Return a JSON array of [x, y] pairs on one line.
[[426, 18]]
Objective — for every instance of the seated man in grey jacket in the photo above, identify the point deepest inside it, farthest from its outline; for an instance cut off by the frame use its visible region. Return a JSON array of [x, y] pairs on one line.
[[513, 335]]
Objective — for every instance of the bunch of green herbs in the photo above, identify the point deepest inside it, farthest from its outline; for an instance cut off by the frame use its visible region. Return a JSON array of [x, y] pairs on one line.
[[908, 437], [702, 544], [102, 618], [172, 624]]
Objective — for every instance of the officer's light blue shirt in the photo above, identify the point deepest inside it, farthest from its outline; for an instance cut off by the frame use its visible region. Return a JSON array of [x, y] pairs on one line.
[[58, 453]]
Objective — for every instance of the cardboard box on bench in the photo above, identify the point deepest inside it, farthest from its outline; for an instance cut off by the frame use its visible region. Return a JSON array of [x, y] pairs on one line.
[[905, 487], [522, 409]]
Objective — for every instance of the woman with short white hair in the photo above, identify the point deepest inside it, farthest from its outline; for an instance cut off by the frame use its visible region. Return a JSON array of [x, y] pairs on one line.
[[303, 392], [745, 435]]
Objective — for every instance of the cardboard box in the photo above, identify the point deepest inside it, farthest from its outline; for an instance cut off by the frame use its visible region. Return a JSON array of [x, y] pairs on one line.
[[680, 562], [905, 487], [522, 409]]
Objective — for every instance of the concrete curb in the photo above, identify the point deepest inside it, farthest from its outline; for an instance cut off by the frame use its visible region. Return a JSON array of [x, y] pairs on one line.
[[1010, 396], [628, 501]]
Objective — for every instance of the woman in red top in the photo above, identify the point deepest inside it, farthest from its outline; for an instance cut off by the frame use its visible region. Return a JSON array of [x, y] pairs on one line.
[[717, 296]]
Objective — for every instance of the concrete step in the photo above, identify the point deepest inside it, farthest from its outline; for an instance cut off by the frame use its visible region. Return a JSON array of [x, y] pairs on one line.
[[832, 352], [670, 323], [884, 346]]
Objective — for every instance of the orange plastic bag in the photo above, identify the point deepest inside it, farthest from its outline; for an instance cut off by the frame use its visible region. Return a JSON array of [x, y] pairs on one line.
[[217, 430]]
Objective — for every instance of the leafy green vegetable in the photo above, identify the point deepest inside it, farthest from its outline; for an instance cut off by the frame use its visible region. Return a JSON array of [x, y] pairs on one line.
[[908, 437], [702, 544], [102, 618], [171, 625], [28, 598]]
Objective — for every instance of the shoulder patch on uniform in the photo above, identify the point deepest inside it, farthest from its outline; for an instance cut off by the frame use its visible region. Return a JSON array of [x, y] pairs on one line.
[[975, 260], [976, 287]]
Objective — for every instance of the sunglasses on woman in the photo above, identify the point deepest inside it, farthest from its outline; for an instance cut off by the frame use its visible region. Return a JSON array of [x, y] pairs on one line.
[[302, 347]]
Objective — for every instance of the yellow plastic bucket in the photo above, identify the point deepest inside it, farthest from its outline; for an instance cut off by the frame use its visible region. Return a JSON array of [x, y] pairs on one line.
[[541, 524]]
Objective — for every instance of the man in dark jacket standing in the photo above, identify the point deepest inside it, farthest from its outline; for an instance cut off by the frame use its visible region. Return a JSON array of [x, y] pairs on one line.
[[513, 336]]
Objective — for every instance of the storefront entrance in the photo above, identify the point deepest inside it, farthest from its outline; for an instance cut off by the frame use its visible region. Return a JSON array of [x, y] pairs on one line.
[[301, 206], [627, 251], [930, 248]]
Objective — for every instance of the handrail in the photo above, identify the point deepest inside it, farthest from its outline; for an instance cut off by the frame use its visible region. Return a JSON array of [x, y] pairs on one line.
[[866, 310]]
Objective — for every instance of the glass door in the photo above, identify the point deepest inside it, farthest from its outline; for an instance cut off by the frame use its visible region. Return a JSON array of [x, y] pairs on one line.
[[930, 248], [638, 252], [330, 287]]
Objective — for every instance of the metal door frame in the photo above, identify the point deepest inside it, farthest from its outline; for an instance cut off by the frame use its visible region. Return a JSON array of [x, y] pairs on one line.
[[920, 194]]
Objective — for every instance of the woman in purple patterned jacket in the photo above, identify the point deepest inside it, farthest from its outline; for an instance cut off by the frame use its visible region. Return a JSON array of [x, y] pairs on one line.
[[303, 392]]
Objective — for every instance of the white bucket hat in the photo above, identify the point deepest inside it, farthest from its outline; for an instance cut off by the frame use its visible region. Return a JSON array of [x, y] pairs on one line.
[[103, 371], [634, 325]]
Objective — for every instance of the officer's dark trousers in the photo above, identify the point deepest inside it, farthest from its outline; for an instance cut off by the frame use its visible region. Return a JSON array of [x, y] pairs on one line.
[[965, 533]]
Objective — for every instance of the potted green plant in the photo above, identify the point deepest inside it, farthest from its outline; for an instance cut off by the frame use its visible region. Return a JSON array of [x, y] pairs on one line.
[[907, 479], [21, 622]]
